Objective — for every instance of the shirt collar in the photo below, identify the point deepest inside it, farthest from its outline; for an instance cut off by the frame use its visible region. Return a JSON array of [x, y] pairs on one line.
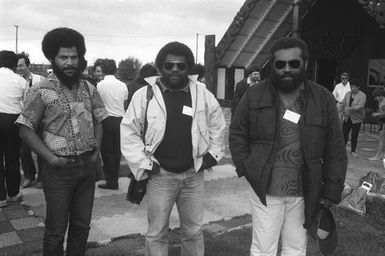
[[164, 88], [109, 77], [56, 80]]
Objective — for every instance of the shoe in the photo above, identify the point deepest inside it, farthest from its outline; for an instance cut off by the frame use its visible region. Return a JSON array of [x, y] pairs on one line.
[[39, 185], [106, 186], [17, 198], [27, 183], [3, 203], [374, 158], [354, 154]]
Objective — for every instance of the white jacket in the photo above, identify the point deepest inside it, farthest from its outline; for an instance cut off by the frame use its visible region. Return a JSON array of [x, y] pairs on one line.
[[207, 128]]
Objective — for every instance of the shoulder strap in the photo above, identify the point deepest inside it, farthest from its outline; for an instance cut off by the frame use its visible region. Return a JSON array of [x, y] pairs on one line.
[[149, 96]]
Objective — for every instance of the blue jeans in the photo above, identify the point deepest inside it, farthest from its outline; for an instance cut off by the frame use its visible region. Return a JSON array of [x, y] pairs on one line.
[[69, 194], [187, 191]]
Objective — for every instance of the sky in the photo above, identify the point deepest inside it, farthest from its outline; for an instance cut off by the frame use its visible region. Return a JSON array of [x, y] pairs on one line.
[[116, 29]]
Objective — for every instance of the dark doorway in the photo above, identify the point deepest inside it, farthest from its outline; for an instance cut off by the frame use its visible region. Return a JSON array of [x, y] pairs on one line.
[[229, 83], [326, 73]]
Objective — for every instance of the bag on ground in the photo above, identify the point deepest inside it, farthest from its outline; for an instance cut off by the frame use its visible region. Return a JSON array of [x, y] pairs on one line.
[[357, 199]]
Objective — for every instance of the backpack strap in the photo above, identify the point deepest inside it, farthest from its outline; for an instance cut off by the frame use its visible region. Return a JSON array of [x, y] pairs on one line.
[[149, 96]]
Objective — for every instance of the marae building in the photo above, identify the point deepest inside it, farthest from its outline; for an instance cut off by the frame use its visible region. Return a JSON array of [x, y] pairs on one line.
[[343, 35]]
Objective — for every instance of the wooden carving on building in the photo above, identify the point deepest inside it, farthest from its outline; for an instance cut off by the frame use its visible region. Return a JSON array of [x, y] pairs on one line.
[[234, 28], [376, 9]]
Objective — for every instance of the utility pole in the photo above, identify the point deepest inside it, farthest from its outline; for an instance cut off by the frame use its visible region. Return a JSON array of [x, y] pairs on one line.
[[196, 50], [296, 20], [17, 35]]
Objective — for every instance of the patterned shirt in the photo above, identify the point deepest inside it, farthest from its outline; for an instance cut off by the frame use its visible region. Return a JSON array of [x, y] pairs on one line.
[[286, 178], [67, 120]]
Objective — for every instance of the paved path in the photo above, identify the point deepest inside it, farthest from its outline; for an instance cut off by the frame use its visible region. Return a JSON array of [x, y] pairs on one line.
[[225, 197]]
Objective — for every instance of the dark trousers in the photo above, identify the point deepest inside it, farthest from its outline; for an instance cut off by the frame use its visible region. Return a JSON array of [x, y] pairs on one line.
[[69, 194], [111, 149], [28, 164], [346, 127], [9, 156]]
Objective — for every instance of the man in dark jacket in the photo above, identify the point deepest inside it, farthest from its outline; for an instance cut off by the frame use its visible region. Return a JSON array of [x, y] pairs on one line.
[[285, 138], [253, 77]]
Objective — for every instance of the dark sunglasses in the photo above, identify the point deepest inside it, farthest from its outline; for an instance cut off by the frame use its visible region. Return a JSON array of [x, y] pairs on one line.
[[344, 78], [170, 65], [280, 64]]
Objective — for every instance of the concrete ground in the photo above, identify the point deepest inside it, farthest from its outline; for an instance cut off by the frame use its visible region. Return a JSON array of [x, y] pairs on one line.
[[226, 197]]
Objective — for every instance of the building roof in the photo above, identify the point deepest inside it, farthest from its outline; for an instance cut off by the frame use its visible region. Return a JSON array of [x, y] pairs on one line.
[[257, 24]]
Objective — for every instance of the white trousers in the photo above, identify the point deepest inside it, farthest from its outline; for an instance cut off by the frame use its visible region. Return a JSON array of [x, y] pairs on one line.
[[283, 216]]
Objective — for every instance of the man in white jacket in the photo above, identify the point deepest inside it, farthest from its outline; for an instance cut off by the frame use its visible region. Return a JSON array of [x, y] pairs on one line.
[[185, 135]]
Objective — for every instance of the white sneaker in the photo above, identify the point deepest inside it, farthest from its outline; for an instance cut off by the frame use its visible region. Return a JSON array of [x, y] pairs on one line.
[[3, 203], [17, 198], [354, 154], [374, 158]]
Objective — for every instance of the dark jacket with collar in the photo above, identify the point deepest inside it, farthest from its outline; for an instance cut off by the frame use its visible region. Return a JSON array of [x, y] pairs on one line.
[[240, 89], [254, 143]]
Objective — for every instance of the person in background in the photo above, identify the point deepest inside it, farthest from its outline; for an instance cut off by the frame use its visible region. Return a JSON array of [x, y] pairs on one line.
[[354, 114], [12, 91], [185, 136], [253, 78], [114, 94], [147, 70], [293, 156], [98, 72], [379, 95], [339, 93], [70, 112], [27, 163], [199, 70], [87, 74]]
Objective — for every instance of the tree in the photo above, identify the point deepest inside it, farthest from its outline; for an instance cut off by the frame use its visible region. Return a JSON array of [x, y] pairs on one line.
[[128, 68]]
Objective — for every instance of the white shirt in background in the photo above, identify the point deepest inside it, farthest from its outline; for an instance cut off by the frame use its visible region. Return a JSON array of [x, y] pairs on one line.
[[12, 91], [113, 93], [340, 90]]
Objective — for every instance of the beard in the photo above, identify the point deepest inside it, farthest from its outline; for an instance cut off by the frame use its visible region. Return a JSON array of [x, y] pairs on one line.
[[65, 79], [175, 85], [288, 85]]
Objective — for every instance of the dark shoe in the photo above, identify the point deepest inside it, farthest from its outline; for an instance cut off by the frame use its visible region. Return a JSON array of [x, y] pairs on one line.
[[39, 185], [106, 186], [17, 198], [27, 183]]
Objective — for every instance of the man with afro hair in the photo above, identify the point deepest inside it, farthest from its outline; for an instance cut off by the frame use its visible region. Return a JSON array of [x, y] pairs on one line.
[[185, 136], [69, 111]]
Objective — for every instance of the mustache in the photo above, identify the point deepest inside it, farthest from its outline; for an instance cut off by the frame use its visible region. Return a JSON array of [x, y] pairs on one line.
[[69, 68], [286, 75]]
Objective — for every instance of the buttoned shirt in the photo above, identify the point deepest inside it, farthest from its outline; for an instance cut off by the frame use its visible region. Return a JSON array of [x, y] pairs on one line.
[[113, 93], [34, 79], [67, 119], [340, 90], [12, 90]]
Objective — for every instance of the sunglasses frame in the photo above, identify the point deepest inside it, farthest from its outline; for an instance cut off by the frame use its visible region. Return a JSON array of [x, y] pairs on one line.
[[290, 62], [177, 64]]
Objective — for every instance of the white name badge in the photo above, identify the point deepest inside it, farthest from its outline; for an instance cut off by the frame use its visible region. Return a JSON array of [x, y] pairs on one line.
[[291, 116], [187, 111]]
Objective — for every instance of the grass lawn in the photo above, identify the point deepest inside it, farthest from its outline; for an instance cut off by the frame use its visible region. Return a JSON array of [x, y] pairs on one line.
[[358, 236]]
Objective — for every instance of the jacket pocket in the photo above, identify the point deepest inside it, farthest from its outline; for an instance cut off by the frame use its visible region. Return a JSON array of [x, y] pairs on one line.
[[254, 165], [316, 131], [203, 130]]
